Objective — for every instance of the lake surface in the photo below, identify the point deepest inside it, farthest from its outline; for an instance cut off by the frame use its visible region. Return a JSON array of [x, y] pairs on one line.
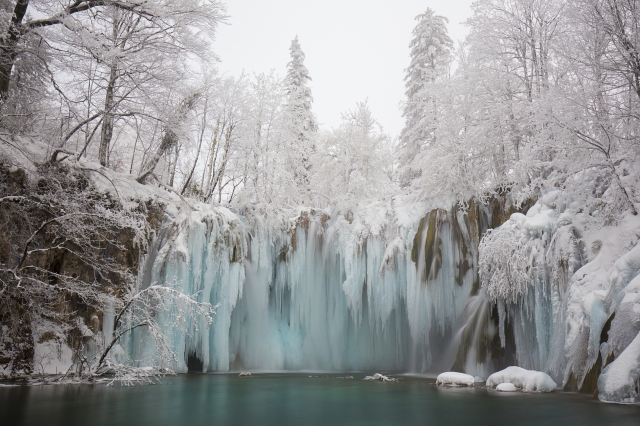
[[297, 399]]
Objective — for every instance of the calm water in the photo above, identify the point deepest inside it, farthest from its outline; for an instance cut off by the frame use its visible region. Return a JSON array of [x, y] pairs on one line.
[[296, 399]]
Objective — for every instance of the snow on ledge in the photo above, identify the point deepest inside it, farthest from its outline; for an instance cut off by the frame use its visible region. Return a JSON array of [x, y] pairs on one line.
[[455, 379], [527, 380]]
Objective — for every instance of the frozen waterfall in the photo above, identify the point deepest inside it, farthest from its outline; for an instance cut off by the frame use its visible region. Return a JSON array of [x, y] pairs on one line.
[[319, 291]]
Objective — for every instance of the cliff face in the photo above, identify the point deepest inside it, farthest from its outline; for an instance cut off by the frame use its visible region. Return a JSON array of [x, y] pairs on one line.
[[65, 249]]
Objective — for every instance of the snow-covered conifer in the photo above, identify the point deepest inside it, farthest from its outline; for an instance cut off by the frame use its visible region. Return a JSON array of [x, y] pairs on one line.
[[301, 120], [430, 58]]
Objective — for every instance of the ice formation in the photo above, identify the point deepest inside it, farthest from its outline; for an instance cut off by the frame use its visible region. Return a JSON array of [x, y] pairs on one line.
[[566, 288], [336, 290], [527, 380], [456, 379], [319, 291]]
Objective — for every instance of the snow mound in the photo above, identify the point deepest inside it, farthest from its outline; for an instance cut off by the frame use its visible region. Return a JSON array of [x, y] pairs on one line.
[[455, 379], [527, 380], [620, 380], [380, 377], [506, 387]]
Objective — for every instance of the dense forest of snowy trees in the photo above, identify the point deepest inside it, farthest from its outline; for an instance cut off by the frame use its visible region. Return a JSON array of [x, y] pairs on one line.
[[542, 95], [538, 92]]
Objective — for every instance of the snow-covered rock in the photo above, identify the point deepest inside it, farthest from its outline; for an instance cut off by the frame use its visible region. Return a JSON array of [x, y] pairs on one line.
[[602, 288], [620, 380], [455, 379], [527, 380], [506, 387]]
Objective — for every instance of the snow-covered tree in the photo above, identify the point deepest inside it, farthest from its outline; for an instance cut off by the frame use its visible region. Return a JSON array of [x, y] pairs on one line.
[[301, 123], [357, 160], [430, 60], [266, 172], [119, 66]]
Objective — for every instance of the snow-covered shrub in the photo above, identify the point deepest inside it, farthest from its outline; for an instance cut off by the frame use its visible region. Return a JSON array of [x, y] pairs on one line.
[[151, 313], [504, 263]]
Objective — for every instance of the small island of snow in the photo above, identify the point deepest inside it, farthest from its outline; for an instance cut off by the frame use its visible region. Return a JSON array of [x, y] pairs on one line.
[[455, 379], [526, 380], [506, 387]]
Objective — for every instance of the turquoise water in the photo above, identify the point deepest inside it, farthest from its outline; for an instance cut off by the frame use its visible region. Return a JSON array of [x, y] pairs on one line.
[[297, 399]]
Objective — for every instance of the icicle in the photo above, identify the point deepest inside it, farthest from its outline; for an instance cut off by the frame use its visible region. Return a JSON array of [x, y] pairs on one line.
[[314, 292]]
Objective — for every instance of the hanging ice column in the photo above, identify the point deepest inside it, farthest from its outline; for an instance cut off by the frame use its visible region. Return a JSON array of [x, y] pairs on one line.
[[319, 291]]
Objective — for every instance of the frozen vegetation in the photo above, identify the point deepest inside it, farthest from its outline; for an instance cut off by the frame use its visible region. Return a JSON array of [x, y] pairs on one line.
[[141, 192]]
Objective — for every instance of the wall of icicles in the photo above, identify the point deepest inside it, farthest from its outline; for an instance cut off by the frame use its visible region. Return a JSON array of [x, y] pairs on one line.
[[331, 290]]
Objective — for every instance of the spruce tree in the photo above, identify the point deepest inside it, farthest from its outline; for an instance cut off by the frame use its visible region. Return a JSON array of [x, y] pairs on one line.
[[430, 58], [301, 121]]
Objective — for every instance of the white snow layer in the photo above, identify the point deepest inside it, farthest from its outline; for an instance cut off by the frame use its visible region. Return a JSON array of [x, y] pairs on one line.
[[620, 380], [456, 379], [527, 380], [52, 357], [506, 387]]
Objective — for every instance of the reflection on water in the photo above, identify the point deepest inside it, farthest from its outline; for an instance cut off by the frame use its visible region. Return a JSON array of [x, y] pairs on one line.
[[296, 399]]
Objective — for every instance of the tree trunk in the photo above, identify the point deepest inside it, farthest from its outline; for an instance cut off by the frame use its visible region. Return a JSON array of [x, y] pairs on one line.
[[187, 181], [174, 165], [8, 51], [107, 123], [168, 141]]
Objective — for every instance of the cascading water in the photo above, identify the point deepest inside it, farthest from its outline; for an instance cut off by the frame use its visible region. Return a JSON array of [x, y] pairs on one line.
[[341, 291], [320, 291]]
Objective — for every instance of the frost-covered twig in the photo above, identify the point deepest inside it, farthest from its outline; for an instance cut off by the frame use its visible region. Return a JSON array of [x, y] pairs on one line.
[[142, 310]]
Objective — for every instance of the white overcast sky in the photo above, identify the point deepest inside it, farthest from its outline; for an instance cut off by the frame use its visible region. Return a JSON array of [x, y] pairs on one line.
[[355, 49]]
